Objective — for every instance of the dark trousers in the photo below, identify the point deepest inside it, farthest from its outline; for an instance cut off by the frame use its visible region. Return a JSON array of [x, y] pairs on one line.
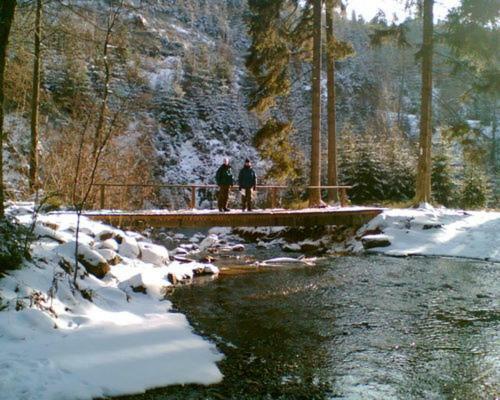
[[247, 199], [223, 197]]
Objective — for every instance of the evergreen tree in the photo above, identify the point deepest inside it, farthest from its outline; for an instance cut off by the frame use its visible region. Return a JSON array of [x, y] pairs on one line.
[[474, 188], [443, 185], [423, 184]]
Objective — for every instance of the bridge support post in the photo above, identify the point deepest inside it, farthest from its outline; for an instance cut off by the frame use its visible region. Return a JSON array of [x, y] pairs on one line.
[[343, 197], [102, 196], [193, 197], [273, 197]]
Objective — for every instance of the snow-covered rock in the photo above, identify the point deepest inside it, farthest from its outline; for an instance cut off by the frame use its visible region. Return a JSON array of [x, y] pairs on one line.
[[238, 247], [154, 254], [93, 262], [291, 247], [110, 244], [111, 257], [135, 284], [40, 231], [209, 241], [129, 247], [371, 241]]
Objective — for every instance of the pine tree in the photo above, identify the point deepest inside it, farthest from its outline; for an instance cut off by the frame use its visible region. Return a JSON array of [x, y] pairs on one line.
[[474, 188], [423, 186], [443, 185]]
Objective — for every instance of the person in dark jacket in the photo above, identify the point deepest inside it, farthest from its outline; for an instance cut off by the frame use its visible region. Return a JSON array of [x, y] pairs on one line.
[[247, 181], [224, 179]]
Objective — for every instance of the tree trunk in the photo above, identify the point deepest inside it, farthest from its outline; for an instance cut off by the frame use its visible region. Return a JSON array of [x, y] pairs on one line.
[[332, 133], [107, 76], [315, 178], [33, 172], [423, 188], [7, 8]]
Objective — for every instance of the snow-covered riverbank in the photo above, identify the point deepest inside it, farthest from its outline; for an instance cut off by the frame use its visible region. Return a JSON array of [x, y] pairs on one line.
[[103, 337], [430, 231]]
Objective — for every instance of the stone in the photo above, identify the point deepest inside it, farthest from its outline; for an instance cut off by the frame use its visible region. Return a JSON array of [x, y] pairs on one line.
[[291, 247], [93, 262], [238, 247], [207, 260], [154, 254], [50, 225], [106, 234], [182, 259], [432, 226], [210, 241], [129, 247], [310, 245], [42, 231], [371, 241], [180, 250], [111, 257], [110, 244], [135, 284]]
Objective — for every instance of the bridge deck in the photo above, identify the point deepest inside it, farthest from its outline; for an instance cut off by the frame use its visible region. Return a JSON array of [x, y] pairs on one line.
[[355, 217]]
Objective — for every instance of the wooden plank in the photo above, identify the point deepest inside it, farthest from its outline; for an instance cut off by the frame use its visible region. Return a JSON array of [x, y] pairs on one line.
[[354, 218]]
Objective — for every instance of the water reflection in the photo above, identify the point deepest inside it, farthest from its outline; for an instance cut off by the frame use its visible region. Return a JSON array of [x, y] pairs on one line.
[[353, 328]]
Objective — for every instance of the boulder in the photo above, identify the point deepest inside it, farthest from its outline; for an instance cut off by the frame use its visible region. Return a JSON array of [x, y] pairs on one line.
[[111, 257], [238, 247], [106, 234], [134, 284], [42, 231], [291, 247], [154, 254], [206, 259], [310, 245], [93, 262], [210, 241], [129, 247], [182, 259], [110, 244], [371, 241], [180, 250]]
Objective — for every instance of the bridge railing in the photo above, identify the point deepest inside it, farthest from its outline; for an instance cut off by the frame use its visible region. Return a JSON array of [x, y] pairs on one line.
[[273, 192]]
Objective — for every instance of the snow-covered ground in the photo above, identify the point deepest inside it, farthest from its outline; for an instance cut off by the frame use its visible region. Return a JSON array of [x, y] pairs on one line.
[[435, 232], [101, 337]]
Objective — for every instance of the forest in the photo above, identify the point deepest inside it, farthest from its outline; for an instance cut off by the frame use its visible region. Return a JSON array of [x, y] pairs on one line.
[[163, 90]]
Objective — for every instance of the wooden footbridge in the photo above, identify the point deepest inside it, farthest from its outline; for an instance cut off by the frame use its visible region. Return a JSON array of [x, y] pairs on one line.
[[192, 218], [354, 217]]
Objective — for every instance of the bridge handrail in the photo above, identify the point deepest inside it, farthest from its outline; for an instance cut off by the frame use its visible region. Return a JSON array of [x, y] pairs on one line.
[[194, 187]]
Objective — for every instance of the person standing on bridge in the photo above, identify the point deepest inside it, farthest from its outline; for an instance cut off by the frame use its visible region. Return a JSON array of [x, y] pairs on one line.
[[224, 179], [247, 181]]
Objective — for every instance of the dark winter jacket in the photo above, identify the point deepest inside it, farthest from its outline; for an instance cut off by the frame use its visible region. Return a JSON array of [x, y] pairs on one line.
[[246, 178], [224, 175]]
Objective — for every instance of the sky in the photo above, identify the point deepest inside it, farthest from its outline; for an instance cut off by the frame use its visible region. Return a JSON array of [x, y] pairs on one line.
[[368, 8]]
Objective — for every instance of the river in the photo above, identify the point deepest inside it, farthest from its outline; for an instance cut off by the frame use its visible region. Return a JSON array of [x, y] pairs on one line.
[[369, 327]]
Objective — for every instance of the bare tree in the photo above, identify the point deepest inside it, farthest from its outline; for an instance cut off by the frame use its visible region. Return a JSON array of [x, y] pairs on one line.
[[33, 160], [7, 9], [111, 20]]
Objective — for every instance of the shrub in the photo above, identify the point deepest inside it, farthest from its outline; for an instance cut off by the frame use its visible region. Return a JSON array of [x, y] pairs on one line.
[[13, 245]]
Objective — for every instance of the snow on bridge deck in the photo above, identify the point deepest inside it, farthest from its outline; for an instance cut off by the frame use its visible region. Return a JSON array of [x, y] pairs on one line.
[[350, 216]]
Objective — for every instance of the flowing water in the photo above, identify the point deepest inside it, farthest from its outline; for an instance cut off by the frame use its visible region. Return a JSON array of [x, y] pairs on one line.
[[351, 328]]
